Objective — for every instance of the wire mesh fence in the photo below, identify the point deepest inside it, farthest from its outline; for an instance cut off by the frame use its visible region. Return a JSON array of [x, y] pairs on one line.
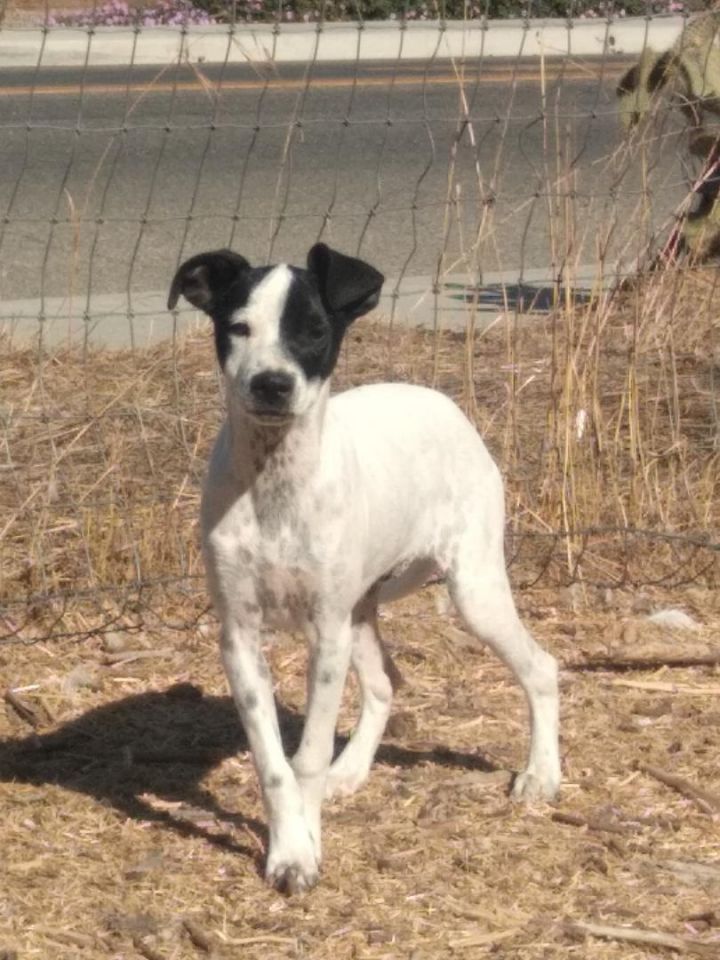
[[482, 165]]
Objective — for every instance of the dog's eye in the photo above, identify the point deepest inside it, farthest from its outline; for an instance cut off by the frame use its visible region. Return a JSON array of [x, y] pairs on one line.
[[240, 329], [316, 332]]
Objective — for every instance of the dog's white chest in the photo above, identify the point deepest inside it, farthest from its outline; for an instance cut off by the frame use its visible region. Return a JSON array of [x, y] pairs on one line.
[[286, 582], [273, 577]]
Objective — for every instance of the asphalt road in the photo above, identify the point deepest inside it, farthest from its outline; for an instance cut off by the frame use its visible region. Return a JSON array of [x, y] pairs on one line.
[[108, 177]]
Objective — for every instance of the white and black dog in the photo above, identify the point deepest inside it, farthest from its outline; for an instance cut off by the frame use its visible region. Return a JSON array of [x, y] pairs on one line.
[[315, 510]]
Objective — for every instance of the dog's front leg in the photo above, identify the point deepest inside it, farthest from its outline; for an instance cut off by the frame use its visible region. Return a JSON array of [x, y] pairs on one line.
[[331, 644], [292, 862]]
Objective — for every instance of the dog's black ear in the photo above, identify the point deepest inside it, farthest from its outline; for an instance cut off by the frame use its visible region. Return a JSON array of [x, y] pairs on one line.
[[349, 287], [204, 278]]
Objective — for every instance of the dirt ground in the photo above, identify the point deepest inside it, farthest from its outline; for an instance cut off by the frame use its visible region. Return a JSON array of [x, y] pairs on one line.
[[132, 825], [131, 820]]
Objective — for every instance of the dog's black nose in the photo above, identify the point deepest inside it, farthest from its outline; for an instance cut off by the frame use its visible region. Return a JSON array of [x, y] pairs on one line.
[[272, 387]]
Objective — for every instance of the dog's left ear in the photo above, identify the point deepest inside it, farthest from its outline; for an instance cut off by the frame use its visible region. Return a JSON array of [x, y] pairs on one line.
[[348, 287]]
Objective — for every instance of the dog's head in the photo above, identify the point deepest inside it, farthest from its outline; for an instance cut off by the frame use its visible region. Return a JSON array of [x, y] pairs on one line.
[[278, 329]]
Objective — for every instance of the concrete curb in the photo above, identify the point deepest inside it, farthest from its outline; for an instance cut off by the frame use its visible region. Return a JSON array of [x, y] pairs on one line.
[[375, 40], [114, 322]]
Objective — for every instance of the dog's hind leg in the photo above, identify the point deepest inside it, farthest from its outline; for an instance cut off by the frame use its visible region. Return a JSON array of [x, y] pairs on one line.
[[378, 677], [478, 584]]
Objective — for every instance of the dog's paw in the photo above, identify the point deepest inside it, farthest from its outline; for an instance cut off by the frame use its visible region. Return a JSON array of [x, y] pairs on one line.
[[344, 779], [529, 786], [292, 878], [293, 867]]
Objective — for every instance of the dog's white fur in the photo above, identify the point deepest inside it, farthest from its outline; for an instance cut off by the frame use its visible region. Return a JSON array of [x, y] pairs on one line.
[[313, 523]]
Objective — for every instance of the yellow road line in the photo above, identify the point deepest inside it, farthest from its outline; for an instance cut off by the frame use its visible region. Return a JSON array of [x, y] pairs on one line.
[[326, 83]]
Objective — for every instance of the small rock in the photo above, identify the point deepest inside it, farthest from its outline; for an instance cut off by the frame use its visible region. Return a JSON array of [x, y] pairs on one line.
[[711, 918], [152, 863], [131, 924], [628, 725], [629, 633], [83, 675], [653, 709], [114, 641], [402, 725], [641, 603], [379, 936], [673, 619]]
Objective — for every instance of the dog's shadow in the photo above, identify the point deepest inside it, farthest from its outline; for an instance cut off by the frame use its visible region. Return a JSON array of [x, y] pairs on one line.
[[161, 745]]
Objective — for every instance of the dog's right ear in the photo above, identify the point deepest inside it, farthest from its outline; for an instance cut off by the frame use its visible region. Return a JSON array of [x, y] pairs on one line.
[[204, 278]]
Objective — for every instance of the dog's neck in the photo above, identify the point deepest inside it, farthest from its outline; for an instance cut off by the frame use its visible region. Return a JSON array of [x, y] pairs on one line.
[[276, 461]]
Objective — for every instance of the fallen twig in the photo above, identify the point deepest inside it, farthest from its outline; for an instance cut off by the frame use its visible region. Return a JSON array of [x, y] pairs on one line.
[[644, 663], [150, 953], [484, 939], [264, 938], [693, 872], [653, 938], [22, 708], [129, 656], [578, 820], [475, 778], [49, 711], [710, 917], [485, 916], [67, 936], [199, 937], [708, 802], [664, 686]]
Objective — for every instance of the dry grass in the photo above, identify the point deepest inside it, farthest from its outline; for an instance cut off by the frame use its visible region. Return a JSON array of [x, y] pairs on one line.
[[132, 825], [603, 419]]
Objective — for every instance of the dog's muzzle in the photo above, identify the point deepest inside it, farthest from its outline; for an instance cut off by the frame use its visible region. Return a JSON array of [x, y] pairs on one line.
[[271, 392]]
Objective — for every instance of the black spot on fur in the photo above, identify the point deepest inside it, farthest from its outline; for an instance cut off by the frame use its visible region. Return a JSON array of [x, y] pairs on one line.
[[308, 335], [629, 81], [658, 76], [327, 677]]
